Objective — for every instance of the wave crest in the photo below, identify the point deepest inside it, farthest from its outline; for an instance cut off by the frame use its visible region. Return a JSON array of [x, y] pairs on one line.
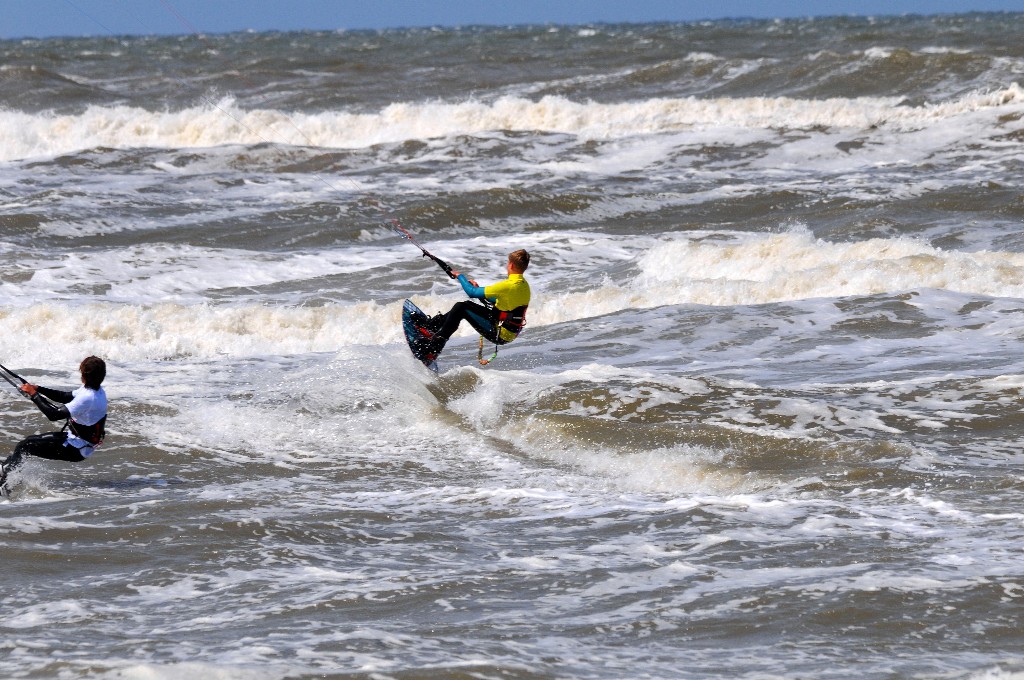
[[24, 135]]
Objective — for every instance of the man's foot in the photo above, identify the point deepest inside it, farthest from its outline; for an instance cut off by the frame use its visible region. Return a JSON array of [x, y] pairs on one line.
[[434, 348], [434, 323]]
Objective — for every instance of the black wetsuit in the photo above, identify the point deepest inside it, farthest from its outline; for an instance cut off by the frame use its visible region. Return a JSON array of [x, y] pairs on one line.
[[72, 444]]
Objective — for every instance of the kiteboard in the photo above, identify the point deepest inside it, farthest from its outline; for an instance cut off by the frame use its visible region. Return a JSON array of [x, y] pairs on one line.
[[413, 322]]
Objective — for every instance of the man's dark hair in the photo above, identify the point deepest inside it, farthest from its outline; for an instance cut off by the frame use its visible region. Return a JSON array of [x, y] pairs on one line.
[[94, 370]]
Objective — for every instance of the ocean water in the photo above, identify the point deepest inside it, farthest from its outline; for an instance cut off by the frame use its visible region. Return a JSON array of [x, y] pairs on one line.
[[765, 420]]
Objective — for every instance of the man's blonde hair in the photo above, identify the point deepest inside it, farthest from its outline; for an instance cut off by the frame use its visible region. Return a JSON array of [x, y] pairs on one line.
[[520, 259]]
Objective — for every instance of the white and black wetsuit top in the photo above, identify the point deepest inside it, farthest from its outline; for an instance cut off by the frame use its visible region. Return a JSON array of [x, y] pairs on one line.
[[86, 410]]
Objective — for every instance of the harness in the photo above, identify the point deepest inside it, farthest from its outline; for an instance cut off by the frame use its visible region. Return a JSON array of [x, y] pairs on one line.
[[512, 320], [94, 434]]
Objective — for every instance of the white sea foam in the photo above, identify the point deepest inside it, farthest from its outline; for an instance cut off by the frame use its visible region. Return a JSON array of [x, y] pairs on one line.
[[132, 332], [24, 135], [249, 669], [795, 265], [183, 274], [729, 269], [129, 321]]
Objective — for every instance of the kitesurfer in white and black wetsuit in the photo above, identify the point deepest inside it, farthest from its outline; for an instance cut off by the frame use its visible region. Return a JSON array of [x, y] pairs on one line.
[[85, 410]]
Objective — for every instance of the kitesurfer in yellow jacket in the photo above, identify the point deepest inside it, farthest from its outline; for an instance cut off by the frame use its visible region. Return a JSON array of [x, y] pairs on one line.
[[499, 317]]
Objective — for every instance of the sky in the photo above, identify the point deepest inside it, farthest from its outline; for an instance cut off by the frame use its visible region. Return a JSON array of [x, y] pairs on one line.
[[49, 18]]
